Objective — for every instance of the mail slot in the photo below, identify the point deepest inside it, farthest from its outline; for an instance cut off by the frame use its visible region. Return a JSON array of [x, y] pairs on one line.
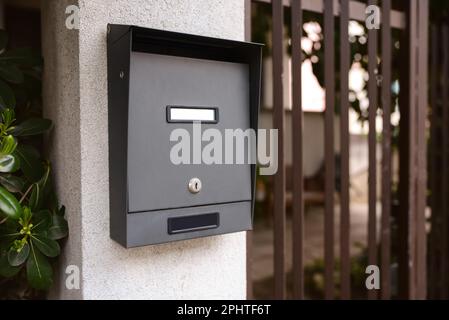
[[158, 82]]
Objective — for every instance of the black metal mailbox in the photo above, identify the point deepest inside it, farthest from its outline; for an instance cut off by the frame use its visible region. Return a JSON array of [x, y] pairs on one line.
[[159, 81]]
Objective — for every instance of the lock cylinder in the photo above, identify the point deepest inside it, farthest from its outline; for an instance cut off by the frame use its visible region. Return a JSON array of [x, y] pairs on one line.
[[195, 185]]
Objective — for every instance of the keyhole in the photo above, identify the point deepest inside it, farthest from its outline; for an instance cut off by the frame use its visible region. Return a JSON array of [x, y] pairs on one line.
[[195, 185]]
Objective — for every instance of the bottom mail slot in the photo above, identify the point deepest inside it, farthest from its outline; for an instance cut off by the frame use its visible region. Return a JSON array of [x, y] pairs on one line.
[[193, 223], [154, 227]]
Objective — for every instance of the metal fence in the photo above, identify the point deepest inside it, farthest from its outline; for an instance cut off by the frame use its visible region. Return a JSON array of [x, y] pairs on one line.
[[411, 19]]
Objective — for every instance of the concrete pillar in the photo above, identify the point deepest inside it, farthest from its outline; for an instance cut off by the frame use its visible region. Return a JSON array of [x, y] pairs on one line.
[[75, 97]]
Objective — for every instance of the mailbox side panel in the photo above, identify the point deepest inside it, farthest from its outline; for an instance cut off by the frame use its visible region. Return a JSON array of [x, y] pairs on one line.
[[119, 48], [255, 86]]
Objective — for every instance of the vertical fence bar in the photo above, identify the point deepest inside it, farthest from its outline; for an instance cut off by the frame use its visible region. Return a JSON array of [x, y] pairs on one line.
[[444, 163], [434, 167], [404, 159], [412, 191], [279, 179], [249, 234], [372, 144], [344, 145], [297, 129], [421, 172], [329, 84], [386, 151]]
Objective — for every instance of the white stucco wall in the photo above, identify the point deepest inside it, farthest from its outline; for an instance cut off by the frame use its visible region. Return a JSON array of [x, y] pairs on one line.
[[75, 96]]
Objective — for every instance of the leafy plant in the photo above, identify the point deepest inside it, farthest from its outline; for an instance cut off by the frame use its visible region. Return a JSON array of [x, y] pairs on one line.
[[31, 223]]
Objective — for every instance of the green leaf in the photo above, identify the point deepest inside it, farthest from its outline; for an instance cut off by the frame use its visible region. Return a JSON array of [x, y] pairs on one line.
[[26, 217], [25, 57], [61, 211], [16, 258], [9, 145], [8, 97], [9, 231], [32, 127], [11, 73], [12, 183], [6, 270], [36, 197], [9, 205], [9, 163], [30, 163], [48, 247], [45, 177], [39, 272], [8, 238], [29, 91], [2, 104], [41, 221], [51, 201], [8, 116], [59, 228]]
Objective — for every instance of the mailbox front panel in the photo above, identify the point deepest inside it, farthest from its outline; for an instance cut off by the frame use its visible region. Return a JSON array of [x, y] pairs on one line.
[[160, 81]]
